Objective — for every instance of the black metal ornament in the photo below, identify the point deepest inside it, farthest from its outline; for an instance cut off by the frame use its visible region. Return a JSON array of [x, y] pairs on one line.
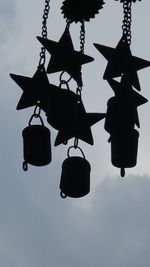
[[122, 115], [81, 10], [35, 89], [36, 138], [64, 57], [75, 176], [122, 62], [121, 118], [122, 108], [61, 108], [79, 125], [64, 108], [36, 144]]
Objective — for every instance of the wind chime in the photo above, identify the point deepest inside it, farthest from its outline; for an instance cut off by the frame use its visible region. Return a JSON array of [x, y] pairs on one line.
[[64, 108], [122, 115]]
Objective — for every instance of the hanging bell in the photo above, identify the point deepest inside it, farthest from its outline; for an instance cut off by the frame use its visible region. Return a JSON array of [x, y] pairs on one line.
[[120, 115], [62, 107], [75, 177], [36, 144], [124, 148]]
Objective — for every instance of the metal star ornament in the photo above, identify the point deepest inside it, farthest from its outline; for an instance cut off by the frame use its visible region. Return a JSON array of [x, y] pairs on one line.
[[124, 90], [124, 104], [121, 61], [80, 126], [64, 57], [35, 89], [81, 10]]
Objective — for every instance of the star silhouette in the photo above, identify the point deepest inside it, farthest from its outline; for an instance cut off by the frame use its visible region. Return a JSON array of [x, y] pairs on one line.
[[81, 126], [121, 61], [35, 89], [124, 91], [64, 57], [124, 113]]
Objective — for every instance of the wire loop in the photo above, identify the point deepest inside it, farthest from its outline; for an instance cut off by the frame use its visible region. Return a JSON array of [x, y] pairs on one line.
[[36, 114], [77, 147]]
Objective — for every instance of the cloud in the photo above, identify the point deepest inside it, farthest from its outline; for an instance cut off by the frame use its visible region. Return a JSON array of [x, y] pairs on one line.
[[38, 228], [107, 228]]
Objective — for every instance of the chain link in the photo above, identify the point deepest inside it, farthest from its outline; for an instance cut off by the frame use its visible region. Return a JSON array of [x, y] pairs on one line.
[[82, 38], [44, 31], [126, 27], [79, 88]]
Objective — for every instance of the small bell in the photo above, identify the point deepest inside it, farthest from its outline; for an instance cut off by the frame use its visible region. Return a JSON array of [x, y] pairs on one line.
[[124, 147], [36, 145], [120, 115], [75, 177], [62, 108]]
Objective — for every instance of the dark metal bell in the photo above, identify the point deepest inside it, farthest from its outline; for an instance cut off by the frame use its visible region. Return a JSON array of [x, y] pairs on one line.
[[62, 109], [75, 177], [124, 147], [36, 145], [120, 115]]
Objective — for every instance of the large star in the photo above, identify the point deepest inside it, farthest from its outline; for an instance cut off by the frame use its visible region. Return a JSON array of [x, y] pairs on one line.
[[64, 57], [81, 126], [121, 61], [35, 89]]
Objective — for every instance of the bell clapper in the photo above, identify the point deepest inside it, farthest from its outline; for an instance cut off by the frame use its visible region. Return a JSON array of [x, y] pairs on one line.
[[122, 172], [25, 166]]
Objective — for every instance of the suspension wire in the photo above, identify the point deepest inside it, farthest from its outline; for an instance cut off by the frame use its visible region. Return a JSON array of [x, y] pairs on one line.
[[126, 27], [44, 32]]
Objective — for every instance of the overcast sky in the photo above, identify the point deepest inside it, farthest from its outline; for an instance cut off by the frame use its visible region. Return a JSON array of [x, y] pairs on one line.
[[110, 227]]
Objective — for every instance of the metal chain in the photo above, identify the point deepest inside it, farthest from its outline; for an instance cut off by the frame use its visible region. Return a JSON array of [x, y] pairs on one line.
[[127, 21], [82, 37], [44, 31], [79, 88], [82, 44]]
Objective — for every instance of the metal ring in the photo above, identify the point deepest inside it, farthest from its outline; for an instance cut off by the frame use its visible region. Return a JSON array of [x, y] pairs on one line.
[[36, 116], [75, 148], [64, 82], [60, 77]]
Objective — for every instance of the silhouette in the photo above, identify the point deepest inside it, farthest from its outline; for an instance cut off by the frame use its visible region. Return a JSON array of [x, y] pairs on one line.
[[79, 10], [121, 61], [35, 89], [36, 144], [64, 57], [121, 118], [75, 177]]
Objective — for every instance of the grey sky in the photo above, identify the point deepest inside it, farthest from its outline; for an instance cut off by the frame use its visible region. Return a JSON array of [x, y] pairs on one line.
[[110, 226]]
